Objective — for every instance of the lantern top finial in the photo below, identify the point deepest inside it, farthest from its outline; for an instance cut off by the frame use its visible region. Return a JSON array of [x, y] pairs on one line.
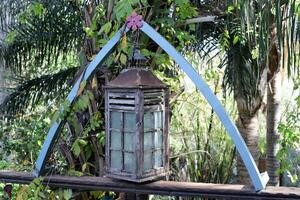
[[136, 78]]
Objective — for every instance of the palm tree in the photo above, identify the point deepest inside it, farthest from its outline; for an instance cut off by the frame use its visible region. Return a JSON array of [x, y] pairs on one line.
[[276, 35], [257, 42], [246, 79], [243, 76]]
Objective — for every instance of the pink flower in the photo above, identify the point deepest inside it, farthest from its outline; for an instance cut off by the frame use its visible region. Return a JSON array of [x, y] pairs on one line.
[[134, 21]]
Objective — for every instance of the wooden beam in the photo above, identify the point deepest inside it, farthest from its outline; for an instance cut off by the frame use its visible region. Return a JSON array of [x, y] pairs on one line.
[[169, 188]]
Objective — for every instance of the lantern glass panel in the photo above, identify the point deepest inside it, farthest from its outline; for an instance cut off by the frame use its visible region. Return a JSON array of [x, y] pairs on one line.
[[148, 121], [115, 140], [147, 160], [158, 139], [116, 162], [148, 144], [129, 162], [115, 120], [157, 159], [158, 120], [153, 140], [128, 141], [129, 121]]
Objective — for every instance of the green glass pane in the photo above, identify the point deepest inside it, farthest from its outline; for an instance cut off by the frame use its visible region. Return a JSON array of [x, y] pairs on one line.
[[115, 140], [148, 144], [158, 120], [129, 121], [157, 159], [128, 141], [129, 162], [158, 139], [148, 121], [147, 161], [116, 160], [115, 120]]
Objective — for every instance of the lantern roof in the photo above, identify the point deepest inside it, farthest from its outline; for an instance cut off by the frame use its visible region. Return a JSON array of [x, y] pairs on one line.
[[136, 77]]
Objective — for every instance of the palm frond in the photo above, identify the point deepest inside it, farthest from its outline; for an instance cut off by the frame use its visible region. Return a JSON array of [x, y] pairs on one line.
[[38, 39], [241, 74], [260, 19], [9, 10], [29, 93]]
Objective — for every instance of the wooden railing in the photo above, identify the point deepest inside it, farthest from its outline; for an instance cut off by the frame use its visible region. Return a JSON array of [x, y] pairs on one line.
[[169, 188]]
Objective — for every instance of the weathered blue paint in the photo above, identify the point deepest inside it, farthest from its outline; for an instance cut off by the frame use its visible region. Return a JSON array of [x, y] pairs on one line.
[[259, 181], [56, 126]]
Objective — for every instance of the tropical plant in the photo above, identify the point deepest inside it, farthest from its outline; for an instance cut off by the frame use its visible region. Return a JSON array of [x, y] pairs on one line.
[[272, 27], [289, 129], [198, 140], [41, 39], [249, 29]]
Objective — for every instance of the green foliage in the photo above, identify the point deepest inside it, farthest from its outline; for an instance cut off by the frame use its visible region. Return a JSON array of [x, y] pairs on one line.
[[45, 31], [266, 23], [35, 9], [224, 40], [290, 141], [76, 147], [289, 129], [36, 190], [198, 140], [243, 67], [10, 37], [124, 8], [23, 138], [33, 191], [36, 90], [185, 9], [67, 194]]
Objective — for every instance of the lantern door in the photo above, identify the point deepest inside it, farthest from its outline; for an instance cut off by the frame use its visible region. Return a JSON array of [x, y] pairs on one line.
[[154, 135], [121, 133]]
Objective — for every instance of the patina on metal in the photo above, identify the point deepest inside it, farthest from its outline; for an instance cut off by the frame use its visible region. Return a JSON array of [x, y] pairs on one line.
[[136, 78]]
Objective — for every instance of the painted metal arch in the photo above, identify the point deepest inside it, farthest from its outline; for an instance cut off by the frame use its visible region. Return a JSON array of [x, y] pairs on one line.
[[259, 181]]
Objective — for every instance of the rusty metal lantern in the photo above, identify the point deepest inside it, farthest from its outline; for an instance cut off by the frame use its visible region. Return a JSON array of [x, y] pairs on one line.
[[136, 108]]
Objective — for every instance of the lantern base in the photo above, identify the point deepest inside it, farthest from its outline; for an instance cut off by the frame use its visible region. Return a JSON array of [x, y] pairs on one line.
[[138, 180]]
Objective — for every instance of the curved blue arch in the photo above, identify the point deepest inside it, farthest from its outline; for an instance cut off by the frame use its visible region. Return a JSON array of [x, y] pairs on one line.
[[259, 181]]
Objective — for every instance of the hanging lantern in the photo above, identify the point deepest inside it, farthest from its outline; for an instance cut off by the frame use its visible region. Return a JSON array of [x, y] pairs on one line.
[[137, 124]]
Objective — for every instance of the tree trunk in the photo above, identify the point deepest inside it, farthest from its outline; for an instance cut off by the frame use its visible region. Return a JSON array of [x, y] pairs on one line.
[[2, 85], [273, 105], [273, 117], [248, 127], [3, 82]]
